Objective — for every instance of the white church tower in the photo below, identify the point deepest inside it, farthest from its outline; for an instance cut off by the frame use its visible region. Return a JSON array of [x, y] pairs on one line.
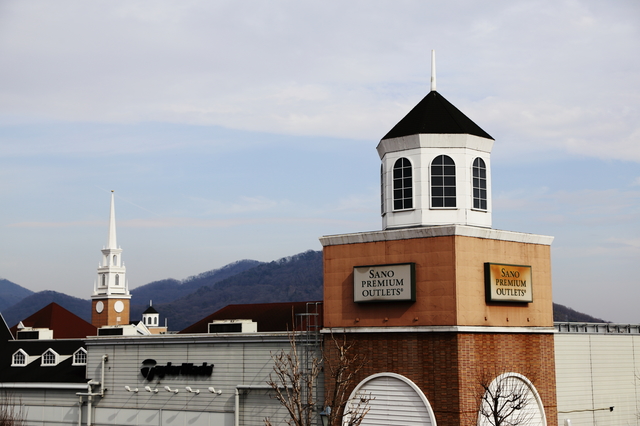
[[436, 167], [111, 297]]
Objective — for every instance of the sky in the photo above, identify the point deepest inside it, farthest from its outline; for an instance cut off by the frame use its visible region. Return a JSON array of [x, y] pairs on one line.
[[246, 130]]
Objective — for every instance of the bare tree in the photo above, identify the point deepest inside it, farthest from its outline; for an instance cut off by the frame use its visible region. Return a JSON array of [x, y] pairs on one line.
[[11, 413], [293, 384], [341, 372], [504, 401]]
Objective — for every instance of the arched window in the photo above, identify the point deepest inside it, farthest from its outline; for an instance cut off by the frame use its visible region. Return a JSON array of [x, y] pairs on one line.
[[115, 260], [104, 279], [155, 320], [381, 190], [443, 182], [479, 184], [117, 279], [402, 185]]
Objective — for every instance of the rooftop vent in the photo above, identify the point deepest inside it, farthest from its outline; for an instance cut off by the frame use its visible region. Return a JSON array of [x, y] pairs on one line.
[[29, 333], [233, 326]]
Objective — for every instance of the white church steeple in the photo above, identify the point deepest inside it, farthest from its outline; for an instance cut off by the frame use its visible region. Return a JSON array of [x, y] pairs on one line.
[[435, 167], [111, 295], [111, 238]]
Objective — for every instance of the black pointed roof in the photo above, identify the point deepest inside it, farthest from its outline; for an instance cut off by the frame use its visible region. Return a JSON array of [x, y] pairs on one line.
[[435, 114], [150, 310]]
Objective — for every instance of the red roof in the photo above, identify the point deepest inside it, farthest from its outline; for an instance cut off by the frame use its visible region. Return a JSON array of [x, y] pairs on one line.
[[269, 316], [65, 325]]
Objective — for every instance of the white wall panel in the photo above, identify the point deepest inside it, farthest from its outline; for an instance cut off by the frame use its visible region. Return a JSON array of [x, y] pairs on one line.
[[595, 371], [237, 361]]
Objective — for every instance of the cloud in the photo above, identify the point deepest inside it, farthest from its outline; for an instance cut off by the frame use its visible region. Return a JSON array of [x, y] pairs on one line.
[[523, 69], [57, 224]]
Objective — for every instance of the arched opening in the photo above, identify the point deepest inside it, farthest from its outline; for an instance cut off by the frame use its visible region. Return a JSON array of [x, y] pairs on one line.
[[395, 400], [511, 398]]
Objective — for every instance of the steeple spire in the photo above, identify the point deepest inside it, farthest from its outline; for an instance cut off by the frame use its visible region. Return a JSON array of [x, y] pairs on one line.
[[433, 70], [111, 238], [111, 295]]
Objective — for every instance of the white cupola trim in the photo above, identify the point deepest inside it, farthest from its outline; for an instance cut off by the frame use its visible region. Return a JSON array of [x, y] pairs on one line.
[[151, 317], [111, 281], [436, 167]]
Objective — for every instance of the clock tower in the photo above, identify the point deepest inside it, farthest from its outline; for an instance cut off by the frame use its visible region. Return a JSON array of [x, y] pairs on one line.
[[111, 297]]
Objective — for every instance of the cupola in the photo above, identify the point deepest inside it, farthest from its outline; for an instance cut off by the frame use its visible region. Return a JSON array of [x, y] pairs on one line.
[[435, 167]]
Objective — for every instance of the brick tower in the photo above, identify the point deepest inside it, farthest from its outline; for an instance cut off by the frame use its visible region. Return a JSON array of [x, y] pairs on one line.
[[438, 302], [111, 297]]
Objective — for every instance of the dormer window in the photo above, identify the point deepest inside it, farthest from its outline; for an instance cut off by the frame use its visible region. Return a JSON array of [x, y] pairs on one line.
[[50, 358], [19, 359], [80, 357], [402, 185], [479, 184], [443, 182]]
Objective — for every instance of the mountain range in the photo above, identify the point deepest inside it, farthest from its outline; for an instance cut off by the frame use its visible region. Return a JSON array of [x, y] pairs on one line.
[[292, 279]]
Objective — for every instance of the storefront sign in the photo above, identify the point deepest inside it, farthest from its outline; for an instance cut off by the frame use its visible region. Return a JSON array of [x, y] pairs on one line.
[[507, 283], [384, 283], [150, 369]]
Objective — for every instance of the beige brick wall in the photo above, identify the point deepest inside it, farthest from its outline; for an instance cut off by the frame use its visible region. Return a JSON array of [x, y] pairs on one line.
[[449, 283]]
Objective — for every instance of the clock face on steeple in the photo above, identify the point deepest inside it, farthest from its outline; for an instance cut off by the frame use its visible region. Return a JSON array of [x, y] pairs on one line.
[[118, 306], [99, 307]]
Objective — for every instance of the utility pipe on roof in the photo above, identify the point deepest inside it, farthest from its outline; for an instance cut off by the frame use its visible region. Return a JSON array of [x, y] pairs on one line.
[[90, 394], [80, 411], [237, 413], [89, 399]]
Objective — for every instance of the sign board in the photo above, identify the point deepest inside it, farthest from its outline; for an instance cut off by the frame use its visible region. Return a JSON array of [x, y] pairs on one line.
[[384, 283], [508, 283]]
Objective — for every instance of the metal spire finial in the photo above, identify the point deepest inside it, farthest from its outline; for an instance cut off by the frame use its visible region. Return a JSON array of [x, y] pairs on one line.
[[433, 70]]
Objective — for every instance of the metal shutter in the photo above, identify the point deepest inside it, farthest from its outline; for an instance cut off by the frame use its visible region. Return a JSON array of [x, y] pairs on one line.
[[398, 402]]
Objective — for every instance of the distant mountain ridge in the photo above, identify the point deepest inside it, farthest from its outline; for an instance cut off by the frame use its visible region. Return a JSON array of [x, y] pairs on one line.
[[170, 290], [36, 301], [11, 293], [290, 279]]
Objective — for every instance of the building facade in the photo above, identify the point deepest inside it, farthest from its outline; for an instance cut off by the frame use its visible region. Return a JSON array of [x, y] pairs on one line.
[[449, 314]]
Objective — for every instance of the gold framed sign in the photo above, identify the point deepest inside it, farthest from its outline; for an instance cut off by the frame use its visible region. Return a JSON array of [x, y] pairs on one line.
[[508, 283], [384, 283]]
